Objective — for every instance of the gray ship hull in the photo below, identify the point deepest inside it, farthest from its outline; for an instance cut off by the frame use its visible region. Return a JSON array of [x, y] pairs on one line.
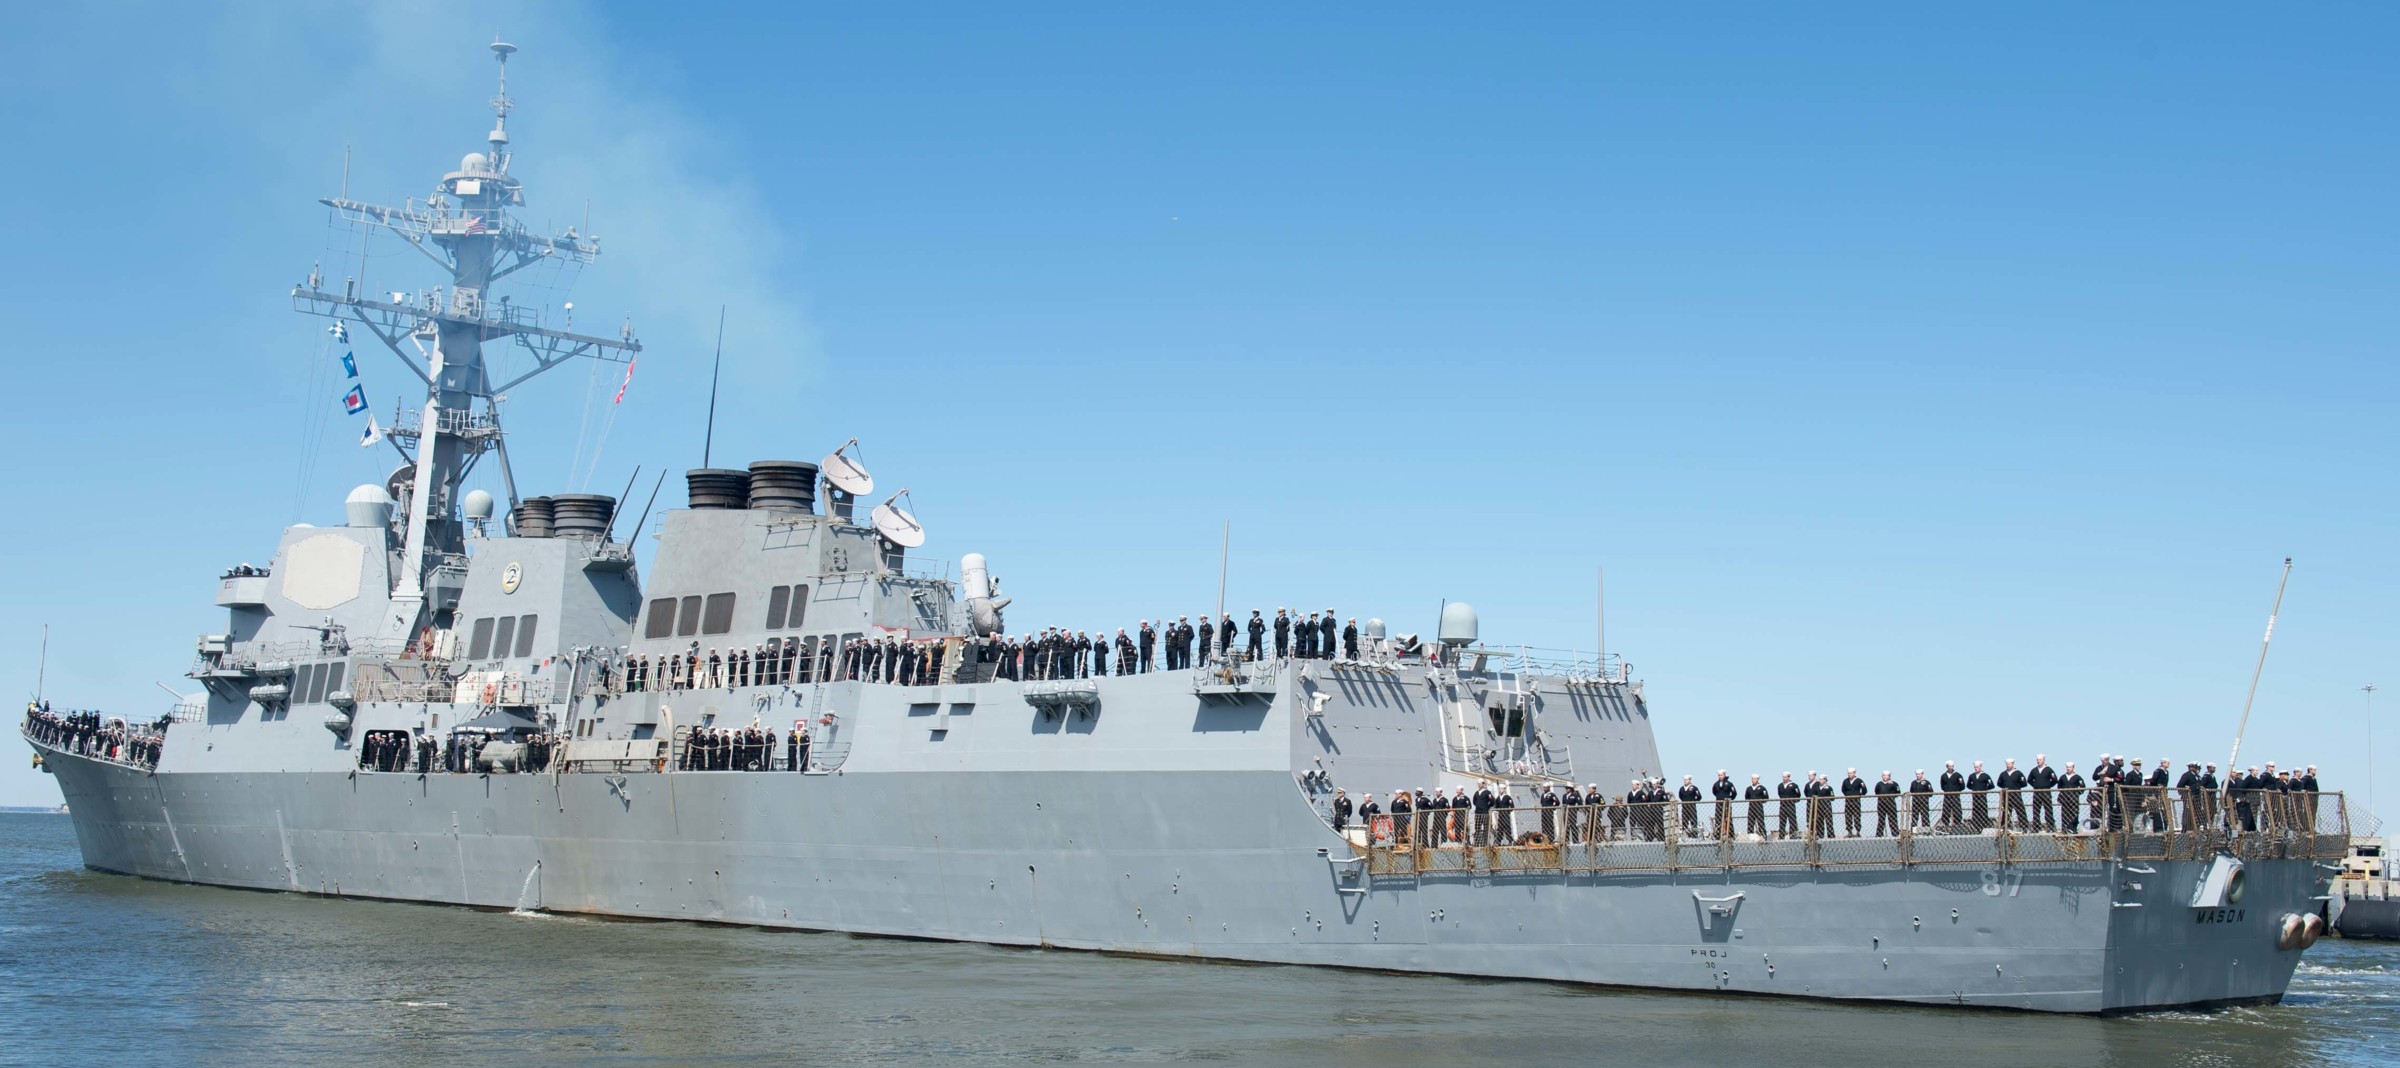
[[1223, 864]]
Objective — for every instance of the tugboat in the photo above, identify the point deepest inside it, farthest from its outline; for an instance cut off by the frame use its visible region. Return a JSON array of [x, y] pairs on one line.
[[2362, 902]]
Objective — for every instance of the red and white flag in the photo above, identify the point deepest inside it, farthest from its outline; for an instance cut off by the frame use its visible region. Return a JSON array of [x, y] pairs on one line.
[[628, 381]]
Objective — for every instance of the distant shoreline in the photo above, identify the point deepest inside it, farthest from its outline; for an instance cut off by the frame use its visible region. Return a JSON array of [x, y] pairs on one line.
[[35, 810]]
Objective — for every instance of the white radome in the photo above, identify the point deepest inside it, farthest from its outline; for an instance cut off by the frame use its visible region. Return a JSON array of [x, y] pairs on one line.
[[368, 506]]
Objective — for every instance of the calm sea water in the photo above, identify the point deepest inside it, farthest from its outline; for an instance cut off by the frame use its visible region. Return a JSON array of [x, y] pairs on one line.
[[106, 969]]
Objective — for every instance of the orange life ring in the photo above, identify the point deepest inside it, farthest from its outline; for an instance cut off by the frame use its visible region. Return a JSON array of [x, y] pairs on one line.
[[1380, 829], [490, 692]]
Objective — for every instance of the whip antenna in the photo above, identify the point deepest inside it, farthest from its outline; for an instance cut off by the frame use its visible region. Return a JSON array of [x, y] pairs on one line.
[[637, 524], [609, 535], [2255, 672], [1224, 553], [718, 364]]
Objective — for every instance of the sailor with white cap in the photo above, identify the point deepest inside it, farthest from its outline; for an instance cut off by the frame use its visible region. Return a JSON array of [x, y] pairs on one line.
[[1756, 794], [1952, 784]]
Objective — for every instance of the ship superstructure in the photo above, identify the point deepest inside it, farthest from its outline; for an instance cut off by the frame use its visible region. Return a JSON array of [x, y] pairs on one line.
[[793, 721]]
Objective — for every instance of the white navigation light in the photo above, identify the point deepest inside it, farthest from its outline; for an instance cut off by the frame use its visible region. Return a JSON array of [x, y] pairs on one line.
[[845, 473], [896, 524]]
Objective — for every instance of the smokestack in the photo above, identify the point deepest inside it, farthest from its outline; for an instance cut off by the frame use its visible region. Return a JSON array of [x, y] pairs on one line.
[[717, 487], [533, 518], [784, 486], [581, 515]]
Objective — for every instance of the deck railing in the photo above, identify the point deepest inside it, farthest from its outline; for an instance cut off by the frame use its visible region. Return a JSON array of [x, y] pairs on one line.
[[116, 741], [1995, 827], [372, 688]]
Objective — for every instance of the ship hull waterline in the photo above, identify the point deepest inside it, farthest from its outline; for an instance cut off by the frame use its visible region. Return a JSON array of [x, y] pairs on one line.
[[1253, 878]]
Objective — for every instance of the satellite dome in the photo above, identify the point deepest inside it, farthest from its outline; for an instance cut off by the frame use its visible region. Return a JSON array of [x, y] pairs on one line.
[[473, 163], [1458, 624], [479, 504], [368, 506]]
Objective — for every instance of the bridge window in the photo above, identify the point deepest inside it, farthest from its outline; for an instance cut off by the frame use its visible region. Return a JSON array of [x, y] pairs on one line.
[[662, 619], [687, 617], [503, 637], [480, 645], [719, 617], [786, 607], [525, 635]]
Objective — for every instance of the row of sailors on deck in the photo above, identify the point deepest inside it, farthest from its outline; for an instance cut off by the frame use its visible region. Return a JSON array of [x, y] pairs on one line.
[[1303, 636], [85, 733], [2116, 795], [457, 752], [703, 749], [773, 662], [781, 661], [742, 749], [1055, 653], [1058, 653]]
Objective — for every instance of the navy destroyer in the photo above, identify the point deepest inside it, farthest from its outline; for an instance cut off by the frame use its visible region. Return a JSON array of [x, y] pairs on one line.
[[792, 721]]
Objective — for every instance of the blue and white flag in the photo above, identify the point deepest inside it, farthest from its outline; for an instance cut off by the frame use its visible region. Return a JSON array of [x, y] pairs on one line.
[[355, 401], [340, 333], [350, 363], [374, 433]]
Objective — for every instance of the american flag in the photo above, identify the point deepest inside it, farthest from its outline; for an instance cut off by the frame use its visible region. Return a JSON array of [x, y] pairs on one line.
[[476, 225]]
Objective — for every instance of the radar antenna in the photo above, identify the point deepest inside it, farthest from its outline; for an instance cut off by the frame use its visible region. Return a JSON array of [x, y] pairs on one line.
[[896, 524], [464, 227], [897, 530], [846, 480]]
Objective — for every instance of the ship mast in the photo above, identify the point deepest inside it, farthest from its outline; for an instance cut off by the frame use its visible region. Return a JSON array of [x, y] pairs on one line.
[[465, 227]]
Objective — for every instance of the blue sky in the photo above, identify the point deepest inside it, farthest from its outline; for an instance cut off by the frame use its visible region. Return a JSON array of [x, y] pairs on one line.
[[1933, 383]]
